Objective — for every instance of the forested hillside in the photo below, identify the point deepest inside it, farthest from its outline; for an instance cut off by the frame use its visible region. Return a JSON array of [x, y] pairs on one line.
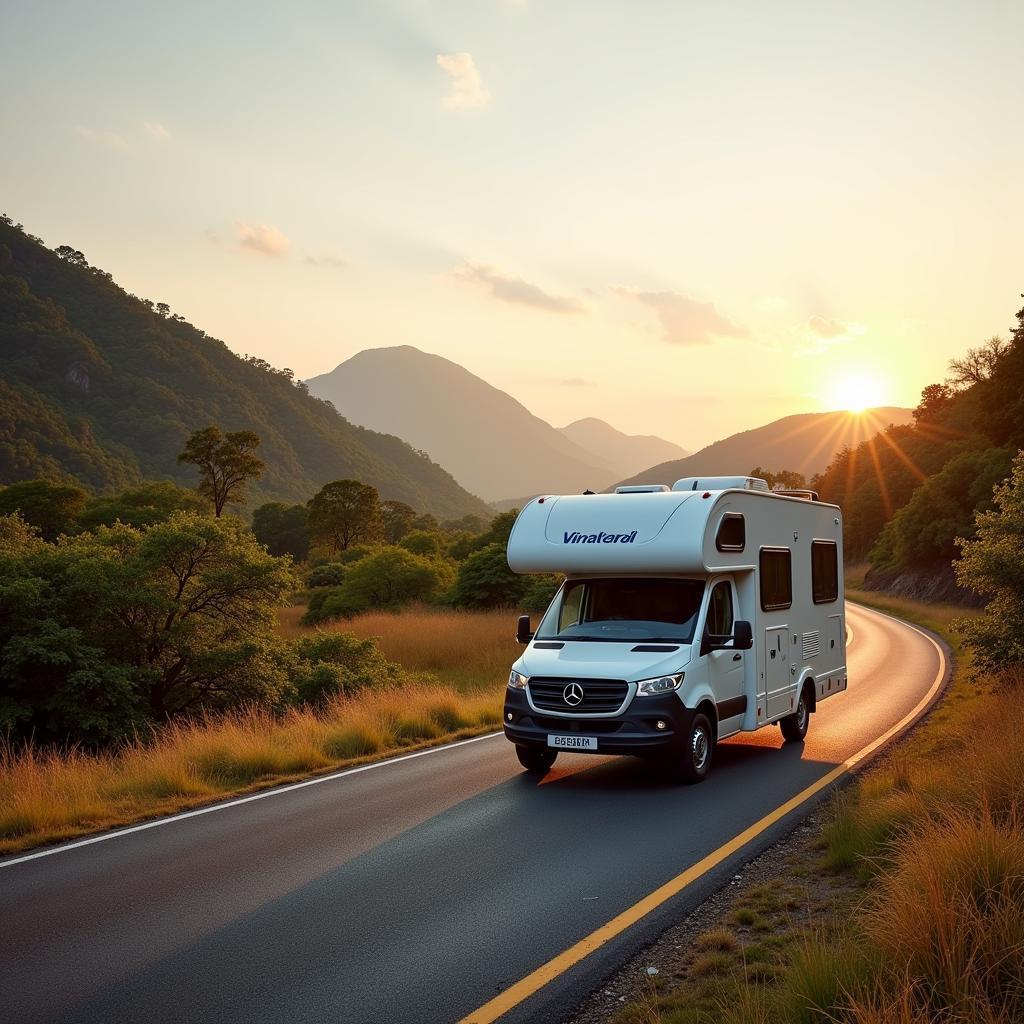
[[908, 493], [103, 388]]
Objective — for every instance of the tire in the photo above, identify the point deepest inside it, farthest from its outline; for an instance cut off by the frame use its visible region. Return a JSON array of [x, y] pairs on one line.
[[694, 762], [536, 760], [794, 726]]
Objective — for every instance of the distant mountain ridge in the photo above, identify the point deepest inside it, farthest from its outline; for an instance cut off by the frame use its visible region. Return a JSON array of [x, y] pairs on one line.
[[805, 443], [98, 387], [624, 451], [491, 443]]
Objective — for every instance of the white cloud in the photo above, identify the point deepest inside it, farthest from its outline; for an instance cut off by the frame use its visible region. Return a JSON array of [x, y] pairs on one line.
[[687, 321], [156, 130], [333, 262], [516, 290], [262, 238], [823, 332], [467, 90], [102, 137]]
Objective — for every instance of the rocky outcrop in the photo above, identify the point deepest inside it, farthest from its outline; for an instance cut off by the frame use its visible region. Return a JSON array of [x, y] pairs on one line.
[[935, 583]]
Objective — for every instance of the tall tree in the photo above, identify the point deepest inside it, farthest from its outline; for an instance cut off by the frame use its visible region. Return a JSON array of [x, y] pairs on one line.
[[343, 513], [283, 529], [397, 518], [226, 464], [53, 508]]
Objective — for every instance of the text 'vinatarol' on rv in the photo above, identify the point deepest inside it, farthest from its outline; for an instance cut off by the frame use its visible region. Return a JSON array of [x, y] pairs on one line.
[[687, 615]]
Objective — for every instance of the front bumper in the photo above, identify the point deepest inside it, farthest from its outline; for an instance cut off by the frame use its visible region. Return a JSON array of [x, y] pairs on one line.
[[634, 731]]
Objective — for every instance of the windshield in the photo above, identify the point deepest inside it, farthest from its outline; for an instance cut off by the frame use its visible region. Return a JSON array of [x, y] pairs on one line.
[[624, 610]]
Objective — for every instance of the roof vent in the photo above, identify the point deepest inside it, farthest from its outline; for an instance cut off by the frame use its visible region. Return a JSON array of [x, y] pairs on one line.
[[641, 489], [720, 483], [796, 492]]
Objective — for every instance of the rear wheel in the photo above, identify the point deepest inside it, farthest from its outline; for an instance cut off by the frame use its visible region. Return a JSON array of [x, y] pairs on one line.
[[537, 760], [794, 726], [695, 760]]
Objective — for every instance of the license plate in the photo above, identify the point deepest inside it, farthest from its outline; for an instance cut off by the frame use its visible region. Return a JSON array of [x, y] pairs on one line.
[[573, 742]]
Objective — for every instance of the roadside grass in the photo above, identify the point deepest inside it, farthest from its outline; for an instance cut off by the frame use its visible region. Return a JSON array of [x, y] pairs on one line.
[[55, 795], [467, 650], [919, 873]]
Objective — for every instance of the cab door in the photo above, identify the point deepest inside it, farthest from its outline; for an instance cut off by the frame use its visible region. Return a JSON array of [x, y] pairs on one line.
[[725, 667]]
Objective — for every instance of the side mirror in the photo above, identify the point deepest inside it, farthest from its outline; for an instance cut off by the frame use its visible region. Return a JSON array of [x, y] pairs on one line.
[[524, 633], [742, 635]]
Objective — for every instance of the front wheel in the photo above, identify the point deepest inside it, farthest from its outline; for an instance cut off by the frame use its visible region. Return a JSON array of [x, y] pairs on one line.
[[794, 726], [537, 760], [694, 761]]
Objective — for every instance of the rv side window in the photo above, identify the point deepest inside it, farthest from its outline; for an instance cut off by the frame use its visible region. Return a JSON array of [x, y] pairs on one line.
[[776, 579], [824, 571], [732, 532], [569, 615]]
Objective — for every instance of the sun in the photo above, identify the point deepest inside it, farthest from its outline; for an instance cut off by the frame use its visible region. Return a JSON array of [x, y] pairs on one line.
[[856, 390]]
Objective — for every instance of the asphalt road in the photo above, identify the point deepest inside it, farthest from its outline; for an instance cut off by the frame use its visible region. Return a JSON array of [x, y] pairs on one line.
[[414, 891]]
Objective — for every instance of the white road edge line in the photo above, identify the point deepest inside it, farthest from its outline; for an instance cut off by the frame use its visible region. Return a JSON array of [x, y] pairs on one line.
[[223, 805]]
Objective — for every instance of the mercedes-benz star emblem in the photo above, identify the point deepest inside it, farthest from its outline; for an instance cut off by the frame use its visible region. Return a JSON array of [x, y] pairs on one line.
[[573, 694]]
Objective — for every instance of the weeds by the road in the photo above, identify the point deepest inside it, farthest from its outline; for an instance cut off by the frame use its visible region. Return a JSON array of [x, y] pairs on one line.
[[926, 857], [468, 650], [55, 795]]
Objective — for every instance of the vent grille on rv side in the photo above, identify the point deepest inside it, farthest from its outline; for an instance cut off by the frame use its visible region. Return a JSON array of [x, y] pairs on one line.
[[810, 644]]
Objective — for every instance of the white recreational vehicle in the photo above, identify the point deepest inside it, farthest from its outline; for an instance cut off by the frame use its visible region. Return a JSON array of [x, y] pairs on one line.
[[686, 616]]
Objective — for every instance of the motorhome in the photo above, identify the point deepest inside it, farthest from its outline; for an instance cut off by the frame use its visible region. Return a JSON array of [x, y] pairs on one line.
[[688, 614]]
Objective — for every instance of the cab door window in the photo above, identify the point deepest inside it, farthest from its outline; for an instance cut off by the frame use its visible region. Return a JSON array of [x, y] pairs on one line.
[[720, 614]]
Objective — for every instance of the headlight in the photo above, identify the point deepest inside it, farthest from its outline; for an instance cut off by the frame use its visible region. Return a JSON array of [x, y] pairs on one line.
[[517, 681], [653, 687]]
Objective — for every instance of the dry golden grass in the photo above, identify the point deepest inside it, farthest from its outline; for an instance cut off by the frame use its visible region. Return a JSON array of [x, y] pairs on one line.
[[50, 796], [469, 650]]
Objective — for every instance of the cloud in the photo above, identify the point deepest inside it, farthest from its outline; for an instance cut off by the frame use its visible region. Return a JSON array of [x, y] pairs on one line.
[[102, 137], [156, 130], [824, 332], [467, 90], [262, 238], [687, 321], [514, 289], [333, 262]]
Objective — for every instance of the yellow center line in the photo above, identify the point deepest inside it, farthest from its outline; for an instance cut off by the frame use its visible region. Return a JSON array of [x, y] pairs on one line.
[[534, 982]]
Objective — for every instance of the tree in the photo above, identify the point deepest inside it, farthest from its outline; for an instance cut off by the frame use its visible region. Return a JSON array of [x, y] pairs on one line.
[[397, 520], [51, 507], [343, 513], [419, 542], [283, 529], [992, 564], [226, 464], [328, 664], [787, 479], [979, 364], [101, 632], [149, 503], [391, 578], [485, 580], [935, 400]]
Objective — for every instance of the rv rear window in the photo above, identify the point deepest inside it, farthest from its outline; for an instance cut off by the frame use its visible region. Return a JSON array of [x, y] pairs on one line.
[[824, 571], [776, 579], [732, 532]]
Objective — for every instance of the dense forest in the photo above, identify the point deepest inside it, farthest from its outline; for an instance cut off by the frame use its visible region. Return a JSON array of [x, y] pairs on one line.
[[910, 492], [101, 388]]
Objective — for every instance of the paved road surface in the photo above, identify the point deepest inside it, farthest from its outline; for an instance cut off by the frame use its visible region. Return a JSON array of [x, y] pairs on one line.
[[415, 891]]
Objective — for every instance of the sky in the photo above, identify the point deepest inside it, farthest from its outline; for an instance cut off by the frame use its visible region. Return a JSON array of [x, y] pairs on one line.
[[684, 218]]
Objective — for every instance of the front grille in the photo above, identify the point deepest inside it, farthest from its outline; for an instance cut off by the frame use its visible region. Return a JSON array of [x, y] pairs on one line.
[[810, 645], [600, 696]]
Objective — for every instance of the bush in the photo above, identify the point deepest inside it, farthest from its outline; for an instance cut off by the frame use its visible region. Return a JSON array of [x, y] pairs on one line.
[[420, 542], [331, 574], [486, 581], [390, 578], [331, 664], [993, 565]]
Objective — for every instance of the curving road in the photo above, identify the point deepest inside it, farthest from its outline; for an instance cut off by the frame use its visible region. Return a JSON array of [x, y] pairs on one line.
[[418, 889]]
